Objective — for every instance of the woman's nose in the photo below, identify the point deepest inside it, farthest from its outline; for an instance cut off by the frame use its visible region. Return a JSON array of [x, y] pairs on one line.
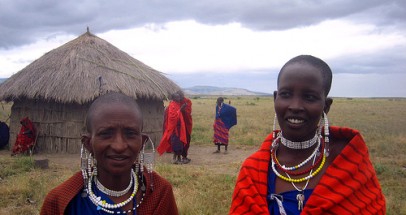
[[119, 143], [296, 104]]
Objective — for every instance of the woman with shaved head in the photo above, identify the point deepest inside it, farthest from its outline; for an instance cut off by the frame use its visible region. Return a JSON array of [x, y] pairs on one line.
[[116, 174]]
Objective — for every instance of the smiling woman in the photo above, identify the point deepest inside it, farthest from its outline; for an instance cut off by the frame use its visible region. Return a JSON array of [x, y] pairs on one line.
[[307, 166], [112, 179]]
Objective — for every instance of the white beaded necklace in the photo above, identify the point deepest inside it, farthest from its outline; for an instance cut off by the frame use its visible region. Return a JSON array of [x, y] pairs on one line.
[[313, 155], [299, 145], [103, 205], [300, 197], [114, 193]]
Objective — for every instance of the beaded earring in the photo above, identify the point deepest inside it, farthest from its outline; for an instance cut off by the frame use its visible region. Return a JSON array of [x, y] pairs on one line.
[[88, 167], [94, 165], [275, 135], [275, 120], [326, 134], [147, 159], [84, 155], [83, 161]]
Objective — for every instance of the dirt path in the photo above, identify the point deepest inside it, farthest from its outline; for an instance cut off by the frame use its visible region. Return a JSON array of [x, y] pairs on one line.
[[215, 162], [201, 156]]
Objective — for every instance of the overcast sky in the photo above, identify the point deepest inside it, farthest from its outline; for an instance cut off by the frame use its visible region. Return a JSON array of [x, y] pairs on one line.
[[230, 43]]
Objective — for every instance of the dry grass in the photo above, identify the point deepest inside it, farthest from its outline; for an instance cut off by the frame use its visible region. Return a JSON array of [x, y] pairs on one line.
[[207, 188]]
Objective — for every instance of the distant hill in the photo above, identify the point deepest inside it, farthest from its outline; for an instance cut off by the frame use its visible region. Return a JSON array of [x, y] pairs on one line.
[[219, 91], [215, 91]]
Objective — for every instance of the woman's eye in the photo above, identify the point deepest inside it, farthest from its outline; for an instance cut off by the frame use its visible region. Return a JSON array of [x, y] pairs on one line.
[[284, 94], [310, 97], [105, 134], [131, 133]]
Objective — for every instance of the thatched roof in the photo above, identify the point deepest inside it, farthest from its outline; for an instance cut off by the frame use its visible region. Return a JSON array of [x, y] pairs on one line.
[[78, 71]]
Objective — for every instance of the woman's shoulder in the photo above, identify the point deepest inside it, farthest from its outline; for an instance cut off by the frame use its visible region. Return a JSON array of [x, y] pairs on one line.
[[160, 183], [260, 158], [339, 138], [71, 185], [59, 197]]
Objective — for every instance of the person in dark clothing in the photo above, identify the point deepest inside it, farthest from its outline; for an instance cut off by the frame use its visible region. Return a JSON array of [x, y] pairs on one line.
[[4, 134]]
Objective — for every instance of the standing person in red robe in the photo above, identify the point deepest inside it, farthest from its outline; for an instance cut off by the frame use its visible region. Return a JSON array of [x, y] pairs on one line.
[[307, 166], [25, 138], [226, 117], [187, 116], [177, 128]]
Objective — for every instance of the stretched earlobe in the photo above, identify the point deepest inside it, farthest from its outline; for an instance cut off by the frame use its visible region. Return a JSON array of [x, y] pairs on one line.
[[327, 105], [85, 139], [145, 138]]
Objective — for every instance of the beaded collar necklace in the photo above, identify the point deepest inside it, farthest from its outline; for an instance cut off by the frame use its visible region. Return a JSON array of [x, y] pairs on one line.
[[114, 193], [298, 145]]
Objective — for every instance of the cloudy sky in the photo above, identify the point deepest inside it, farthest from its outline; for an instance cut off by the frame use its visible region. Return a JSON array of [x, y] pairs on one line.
[[230, 43]]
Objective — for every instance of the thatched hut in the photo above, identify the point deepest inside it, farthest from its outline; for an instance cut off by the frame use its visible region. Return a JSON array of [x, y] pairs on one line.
[[56, 90]]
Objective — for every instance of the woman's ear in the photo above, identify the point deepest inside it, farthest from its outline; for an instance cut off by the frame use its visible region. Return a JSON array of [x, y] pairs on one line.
[[145, 139], [85, 139], [327, 105], [275, 93]]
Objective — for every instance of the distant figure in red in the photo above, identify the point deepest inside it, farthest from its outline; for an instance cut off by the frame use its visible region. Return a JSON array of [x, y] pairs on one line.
[[25, 138], [178, 126]]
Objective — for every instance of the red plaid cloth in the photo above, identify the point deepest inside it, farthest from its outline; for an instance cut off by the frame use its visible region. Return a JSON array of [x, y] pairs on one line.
[[349, 185]]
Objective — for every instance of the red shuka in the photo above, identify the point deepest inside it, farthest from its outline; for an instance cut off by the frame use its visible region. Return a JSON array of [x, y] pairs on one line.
[[349, 185], [26, 136], [173, 116]]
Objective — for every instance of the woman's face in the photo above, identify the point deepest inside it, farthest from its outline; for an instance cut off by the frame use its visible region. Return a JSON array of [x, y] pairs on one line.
[[115, 138], [299, 101], [219, 102]]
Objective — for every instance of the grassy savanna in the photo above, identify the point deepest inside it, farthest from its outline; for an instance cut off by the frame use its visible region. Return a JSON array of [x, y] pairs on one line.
[[206, 184]]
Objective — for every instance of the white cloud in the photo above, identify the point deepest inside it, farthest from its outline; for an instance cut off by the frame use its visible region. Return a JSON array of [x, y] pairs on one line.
[[15, 59], [187, 47]]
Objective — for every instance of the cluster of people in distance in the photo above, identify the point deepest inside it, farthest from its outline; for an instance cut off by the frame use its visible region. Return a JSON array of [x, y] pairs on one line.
[[178, 126], [304, 166]]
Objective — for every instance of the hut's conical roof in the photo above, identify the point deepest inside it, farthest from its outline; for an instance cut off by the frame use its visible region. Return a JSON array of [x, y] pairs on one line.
[[78, 71]]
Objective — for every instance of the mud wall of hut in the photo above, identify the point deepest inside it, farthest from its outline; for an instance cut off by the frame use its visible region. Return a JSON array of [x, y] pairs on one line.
[[59, 126], [153, 113]]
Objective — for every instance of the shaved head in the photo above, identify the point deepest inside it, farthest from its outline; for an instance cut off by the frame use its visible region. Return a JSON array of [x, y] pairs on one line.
[[318, 63], [108, 99]]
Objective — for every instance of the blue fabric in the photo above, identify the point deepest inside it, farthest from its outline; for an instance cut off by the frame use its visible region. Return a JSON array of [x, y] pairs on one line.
[[227, 114], [289, 198], [83, 205], [4, 134], [177, 145]]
